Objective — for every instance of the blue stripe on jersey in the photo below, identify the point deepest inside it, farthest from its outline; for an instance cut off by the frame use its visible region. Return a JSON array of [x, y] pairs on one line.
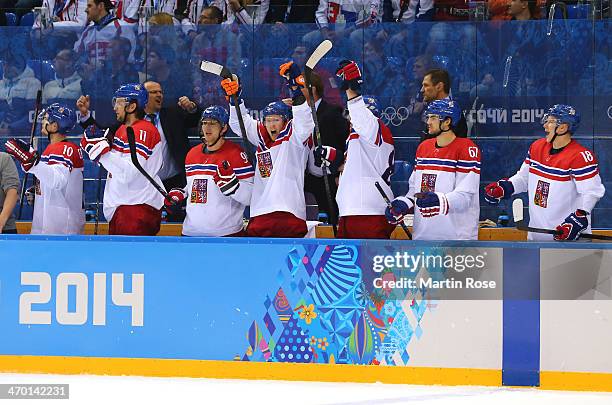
[[244, 170], [438, 162], [584, 170], [468, 164], [200, 167], [549, 170], [140, 146], [57, 159]]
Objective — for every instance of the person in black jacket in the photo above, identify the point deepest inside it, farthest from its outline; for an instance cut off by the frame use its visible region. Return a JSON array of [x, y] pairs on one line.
[[436, 86], [334, 132]]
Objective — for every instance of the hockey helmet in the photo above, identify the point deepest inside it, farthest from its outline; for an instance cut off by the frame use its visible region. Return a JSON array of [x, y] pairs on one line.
[[444, 109], [278, 108], [216, 112], [564, 114], [61, 114], [134, 93]]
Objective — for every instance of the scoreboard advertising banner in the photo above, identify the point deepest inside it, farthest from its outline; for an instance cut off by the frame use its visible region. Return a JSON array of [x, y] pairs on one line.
[[449, 305]]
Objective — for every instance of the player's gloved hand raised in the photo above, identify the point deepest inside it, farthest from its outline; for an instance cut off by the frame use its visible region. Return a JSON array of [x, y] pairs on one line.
[[398, 210], [292, 73], [431, 204], [95, 143], [349, 73], [226, 179], [175, 197], [232, 88], [324, 155], [573, 226], [497, 191], [22, 152]]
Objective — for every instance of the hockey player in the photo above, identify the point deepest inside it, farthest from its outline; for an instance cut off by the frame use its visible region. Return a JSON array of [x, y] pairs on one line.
[[219, 181], [132, 205], [284, 145], [559, 175], [444, 181], [58, 201], [368, 159]]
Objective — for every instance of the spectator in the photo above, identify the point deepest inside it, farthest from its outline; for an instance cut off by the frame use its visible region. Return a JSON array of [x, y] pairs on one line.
[[413, 10], [65, 13], [162, 69], [129, 10], [236, 11], [102, 28], [523, 10], [334, 132], [18, 89], [301, 11], [25, 6], [498, 10], [67, 83], [436, 86], [9, 194], [216, 43], [452, 10]]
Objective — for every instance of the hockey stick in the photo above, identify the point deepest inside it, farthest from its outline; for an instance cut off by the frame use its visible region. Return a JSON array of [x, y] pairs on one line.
[[37, 107], [99, 188], [403, 7], [225, 73], [323, 48], [517, 213], [384, 196], [132, 142]]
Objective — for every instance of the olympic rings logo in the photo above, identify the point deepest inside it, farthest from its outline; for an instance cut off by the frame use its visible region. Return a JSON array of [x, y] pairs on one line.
[[395, 116], [610, 112]]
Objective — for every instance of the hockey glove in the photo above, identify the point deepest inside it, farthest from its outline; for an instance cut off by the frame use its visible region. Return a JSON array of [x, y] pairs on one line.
[[226, 179], [231, 88], [295, 81], [22, 152], [497, 191], [349, 73], [324, 156], [573, 226], [431, 204], [175, 197], [398, 210], [94, 143]]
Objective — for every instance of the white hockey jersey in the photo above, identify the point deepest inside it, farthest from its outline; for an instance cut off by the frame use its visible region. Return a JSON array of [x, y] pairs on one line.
[[96, 37], [348, 11], [455, 171], [66, 13], [130, 10], [279, 174], [58, 202], [369, 158], [209, 211], [125, 185], [558, 184]]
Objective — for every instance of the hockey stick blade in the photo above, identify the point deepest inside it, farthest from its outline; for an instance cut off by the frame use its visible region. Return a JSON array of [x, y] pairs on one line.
[[384, 196], [132, 144], [215, 69], [517, 213], [318, 54]]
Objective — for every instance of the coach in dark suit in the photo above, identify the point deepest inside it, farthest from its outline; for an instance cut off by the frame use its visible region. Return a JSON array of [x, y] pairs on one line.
[[334, 132]]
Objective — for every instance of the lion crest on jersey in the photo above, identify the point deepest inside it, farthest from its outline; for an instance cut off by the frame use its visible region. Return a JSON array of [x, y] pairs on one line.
[[199, 191], [428, 182], [264, 164], [541, 194]]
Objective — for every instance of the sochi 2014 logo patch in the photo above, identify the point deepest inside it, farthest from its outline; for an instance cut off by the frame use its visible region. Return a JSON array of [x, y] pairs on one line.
[[264, 164], [428, 182], [541, 194], [199, 191]]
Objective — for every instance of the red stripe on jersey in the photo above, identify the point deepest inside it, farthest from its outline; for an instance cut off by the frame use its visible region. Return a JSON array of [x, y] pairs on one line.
[[587, 176], [464, 170], [548, 176], [127, 150], [353, 136], [245, 176], [436, 168]]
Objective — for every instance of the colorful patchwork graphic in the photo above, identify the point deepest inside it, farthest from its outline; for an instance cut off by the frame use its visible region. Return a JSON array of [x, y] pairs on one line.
[[322, 312]]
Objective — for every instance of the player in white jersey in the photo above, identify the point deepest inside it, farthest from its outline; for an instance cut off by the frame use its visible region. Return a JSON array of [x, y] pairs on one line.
[[444, 181], [58, 199], [65, 13], [559, 175], [369, 158], [132, 205], [219, 181], [278, 208]]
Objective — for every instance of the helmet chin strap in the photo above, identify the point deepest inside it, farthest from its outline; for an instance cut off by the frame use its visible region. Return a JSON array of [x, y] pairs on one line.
[[552, 141], [441, 131]]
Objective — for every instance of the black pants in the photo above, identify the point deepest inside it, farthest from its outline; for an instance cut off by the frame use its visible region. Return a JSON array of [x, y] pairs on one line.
[[9, 231]]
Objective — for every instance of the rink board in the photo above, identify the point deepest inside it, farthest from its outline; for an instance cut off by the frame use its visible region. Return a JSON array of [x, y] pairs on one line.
[[253, 308]]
